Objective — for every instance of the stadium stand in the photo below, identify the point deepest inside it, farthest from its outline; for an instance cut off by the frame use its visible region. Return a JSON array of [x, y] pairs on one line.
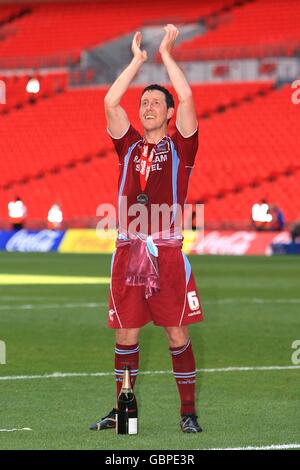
[[249, 143], [63, 152], [10, 13], [67, 34], [17, 96], [85, 106], [245, 153], [257, 29]]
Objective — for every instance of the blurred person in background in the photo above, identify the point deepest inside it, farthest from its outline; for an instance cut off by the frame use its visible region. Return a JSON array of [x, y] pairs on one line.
[[17, 212], [295, 231], [277, 222], [261, 218], [55, 217]]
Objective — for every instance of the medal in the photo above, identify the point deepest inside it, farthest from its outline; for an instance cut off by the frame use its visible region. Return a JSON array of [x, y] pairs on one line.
[[142, 199], [145, 165]]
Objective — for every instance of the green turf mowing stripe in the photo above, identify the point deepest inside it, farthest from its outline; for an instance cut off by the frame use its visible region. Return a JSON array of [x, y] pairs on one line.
[[21, 279]]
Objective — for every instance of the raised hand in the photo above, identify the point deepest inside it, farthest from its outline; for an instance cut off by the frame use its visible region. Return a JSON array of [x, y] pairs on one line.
[[168, 41], [136, 47]]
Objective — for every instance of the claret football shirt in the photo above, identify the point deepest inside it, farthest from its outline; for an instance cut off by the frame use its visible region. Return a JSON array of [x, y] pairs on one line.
[[168, 180]]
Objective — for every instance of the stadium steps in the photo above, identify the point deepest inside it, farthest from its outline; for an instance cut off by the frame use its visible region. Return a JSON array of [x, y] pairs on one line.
[[18, 98], [258, 30], [9, 14], [67, 35], [53, 170], [220, 108], [244, 150], [272, 177], [210, 20], [214, 19], [234, 103], [237, 206], [31, 101]]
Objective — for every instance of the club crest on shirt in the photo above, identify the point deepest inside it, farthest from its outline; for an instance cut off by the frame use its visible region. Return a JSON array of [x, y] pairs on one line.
[[163, 147]]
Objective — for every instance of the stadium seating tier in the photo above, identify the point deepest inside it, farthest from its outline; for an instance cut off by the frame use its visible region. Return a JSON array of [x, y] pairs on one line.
[[62, 152]]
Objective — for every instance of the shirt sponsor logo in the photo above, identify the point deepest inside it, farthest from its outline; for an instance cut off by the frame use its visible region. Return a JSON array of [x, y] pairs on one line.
[[111, 314], [192, 314], [157, 160], [185, 382]]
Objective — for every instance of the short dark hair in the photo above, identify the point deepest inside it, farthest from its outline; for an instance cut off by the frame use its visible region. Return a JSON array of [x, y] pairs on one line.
[[168, 95]]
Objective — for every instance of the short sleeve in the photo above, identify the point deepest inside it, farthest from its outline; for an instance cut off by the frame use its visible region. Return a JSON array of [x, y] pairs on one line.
[[186, 147], [122, 144]]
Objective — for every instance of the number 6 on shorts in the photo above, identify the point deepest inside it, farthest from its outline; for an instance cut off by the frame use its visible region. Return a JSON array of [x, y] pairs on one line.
[[193, 300]]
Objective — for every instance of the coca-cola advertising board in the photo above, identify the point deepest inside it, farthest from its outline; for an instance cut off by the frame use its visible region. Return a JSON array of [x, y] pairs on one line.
[[216, 242]]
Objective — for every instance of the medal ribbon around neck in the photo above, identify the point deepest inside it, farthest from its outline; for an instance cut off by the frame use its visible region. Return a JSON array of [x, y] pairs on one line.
[[145, 165]]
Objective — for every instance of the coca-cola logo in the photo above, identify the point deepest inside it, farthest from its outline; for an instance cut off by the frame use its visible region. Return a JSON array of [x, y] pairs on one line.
[[42, 241], [215, 243]]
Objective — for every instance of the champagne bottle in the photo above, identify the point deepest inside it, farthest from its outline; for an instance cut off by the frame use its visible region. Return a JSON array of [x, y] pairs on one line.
[[127, 415]]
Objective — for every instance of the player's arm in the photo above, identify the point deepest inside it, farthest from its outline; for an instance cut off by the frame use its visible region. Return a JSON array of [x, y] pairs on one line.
[[116, 117], [186, 119]]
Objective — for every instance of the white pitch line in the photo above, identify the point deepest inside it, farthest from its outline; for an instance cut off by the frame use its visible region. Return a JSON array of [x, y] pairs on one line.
[[104, 304], [15, 429], [269, 447], [53, 306], [248, 368], [253, 300], [23, 297], [63, 375]]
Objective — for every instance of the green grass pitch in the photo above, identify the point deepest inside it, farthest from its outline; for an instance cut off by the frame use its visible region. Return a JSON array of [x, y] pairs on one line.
[[251, 307]]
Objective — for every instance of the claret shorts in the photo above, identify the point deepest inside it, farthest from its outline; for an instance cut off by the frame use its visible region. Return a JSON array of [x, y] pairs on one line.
[[176, 304]]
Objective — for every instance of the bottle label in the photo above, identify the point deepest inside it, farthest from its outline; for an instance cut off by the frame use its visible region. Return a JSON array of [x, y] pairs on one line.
[[132, 426]]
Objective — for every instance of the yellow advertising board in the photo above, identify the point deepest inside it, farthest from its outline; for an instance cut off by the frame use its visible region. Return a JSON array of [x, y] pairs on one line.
[[100, 241], [88, 241]]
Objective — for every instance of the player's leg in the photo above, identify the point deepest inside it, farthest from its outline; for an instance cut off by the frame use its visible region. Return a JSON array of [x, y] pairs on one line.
[[128, 312], [184, 370], [177, 336], [178, 304], [126, 354]]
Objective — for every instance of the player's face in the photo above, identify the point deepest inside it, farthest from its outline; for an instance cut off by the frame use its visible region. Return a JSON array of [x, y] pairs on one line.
[[153, 110]]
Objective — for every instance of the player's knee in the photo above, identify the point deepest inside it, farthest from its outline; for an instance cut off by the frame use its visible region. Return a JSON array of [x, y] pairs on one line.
[[126, 337], [177, 337]]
